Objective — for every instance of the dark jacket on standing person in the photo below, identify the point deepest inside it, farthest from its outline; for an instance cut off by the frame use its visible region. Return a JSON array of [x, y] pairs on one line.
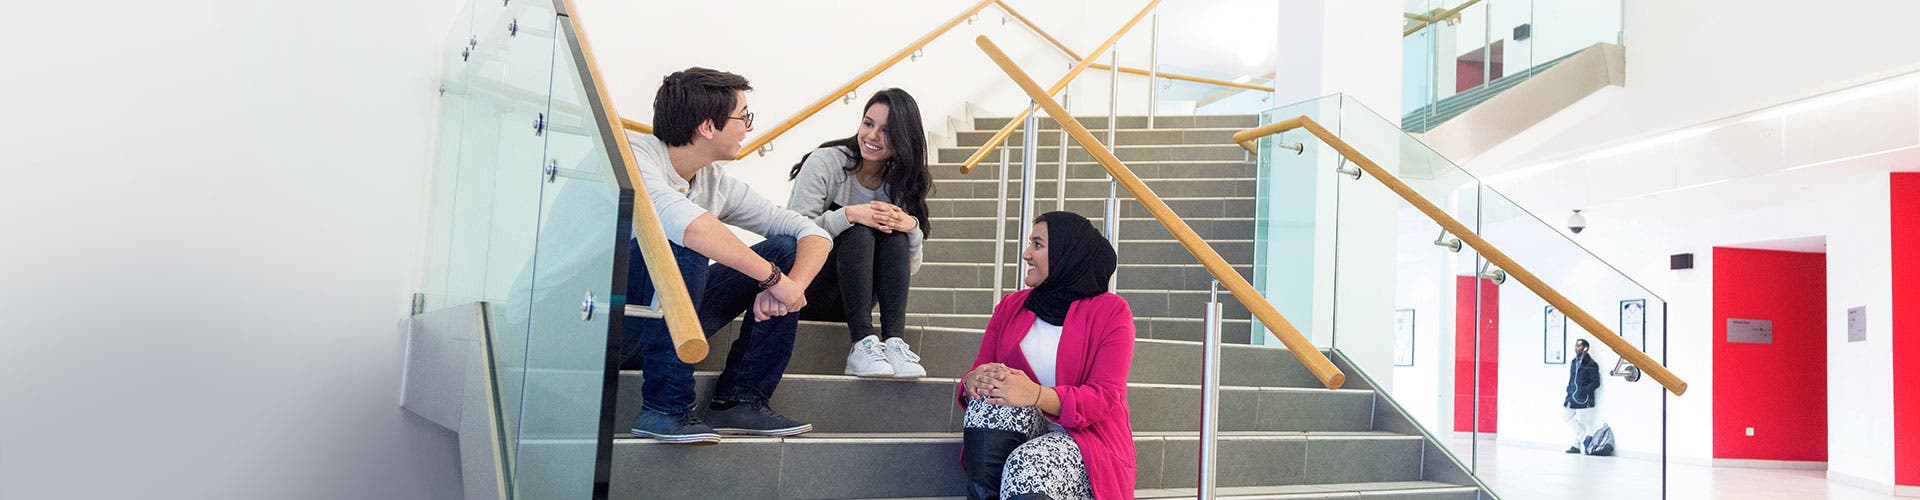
[[1582, 380]]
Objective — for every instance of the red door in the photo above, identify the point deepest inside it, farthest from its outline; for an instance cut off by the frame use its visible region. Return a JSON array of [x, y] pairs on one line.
[[1464, 360]]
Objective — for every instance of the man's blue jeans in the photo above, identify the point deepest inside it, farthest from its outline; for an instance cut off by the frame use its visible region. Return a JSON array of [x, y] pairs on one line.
[[720, 294]]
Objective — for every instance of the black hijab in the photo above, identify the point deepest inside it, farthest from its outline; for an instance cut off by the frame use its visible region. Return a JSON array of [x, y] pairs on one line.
[[1080, 262]]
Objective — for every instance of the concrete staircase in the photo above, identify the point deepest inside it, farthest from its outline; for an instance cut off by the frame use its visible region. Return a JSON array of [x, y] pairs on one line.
[[1283, 436]]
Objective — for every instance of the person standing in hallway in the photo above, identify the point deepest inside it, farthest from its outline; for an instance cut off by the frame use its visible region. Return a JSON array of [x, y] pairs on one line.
[[870, 191], [1583, 380], [700, 118], [1046, 399]]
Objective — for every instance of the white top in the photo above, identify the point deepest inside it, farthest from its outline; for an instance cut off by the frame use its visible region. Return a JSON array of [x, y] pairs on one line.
[[1042, 349], [679, 201], [825, 179]]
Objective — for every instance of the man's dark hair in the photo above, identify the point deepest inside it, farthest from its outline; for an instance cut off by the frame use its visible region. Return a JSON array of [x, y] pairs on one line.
[[691, 96], [1582, 343]]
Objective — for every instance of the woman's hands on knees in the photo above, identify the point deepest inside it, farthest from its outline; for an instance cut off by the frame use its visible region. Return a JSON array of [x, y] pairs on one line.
[[881, 215], [1002, 385], [978, 381], [1009, 387]]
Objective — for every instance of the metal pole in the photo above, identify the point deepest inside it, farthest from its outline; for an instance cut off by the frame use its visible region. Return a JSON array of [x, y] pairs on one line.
[[1027, 150], [1000, 230], [1486, 45], [1060, 176], [1153, 64], [1112, 216], [1210, 395]]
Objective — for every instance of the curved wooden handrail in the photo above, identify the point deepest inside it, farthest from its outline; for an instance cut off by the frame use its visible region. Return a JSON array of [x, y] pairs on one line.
[[636, 126], [1453, 226], [768, 137], [1085, 62], [1315, 361], [683, 324], [1123, 69], [809, 111], [1436, 16]]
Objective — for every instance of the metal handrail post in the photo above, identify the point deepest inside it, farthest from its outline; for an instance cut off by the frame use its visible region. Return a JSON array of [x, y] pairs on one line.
[[1060, 176], [1112, 216], [1153, 65], [1028, 147], [1210, 395], [1000, 230]]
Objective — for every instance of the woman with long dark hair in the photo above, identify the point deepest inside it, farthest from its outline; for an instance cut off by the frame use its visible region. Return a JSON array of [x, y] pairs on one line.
[[869, 190], [1046, 399]]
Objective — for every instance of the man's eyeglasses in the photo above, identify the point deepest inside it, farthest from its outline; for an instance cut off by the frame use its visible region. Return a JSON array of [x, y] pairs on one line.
[[748, 119]]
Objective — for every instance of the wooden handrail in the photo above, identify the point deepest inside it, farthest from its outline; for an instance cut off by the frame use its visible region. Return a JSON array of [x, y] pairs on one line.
[[768, 137], [1315, 361], [636, 126], [683, 324], [1195, 79], [1007, 130], [1123, 69], [1036, 30], [1438, 15], [1453, 226], [859, 80]]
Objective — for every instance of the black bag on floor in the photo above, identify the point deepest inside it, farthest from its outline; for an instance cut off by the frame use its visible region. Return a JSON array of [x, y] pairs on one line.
[[1600, 443]]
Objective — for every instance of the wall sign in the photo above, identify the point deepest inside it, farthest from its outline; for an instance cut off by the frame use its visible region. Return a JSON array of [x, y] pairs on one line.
[[1403, 337], [1857, 324], [1749, 331], [1633, 322], [1556, 337]]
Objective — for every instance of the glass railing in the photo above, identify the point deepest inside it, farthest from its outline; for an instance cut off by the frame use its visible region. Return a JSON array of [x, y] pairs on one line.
[[525, 214], [1478, 361], [1459, 52]]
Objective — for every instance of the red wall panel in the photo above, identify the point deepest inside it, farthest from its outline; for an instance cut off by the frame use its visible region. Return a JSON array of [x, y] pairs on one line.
[[1463, 359], [1905, 197], [1778, 389]]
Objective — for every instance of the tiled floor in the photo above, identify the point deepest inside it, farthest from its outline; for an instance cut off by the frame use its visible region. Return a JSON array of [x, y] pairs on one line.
[[1527, 473]]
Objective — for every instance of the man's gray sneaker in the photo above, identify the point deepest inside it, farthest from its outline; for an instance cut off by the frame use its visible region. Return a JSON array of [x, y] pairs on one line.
[[755, 419], [683, 428]]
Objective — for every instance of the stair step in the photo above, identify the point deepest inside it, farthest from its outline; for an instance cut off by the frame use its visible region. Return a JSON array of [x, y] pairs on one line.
[[1131, 228], [908, 465], [1147, 170], [980, 275], [1096, 187], [1126, 136], [1185, 329], [844, 403], [1145, 303], [1133, 122], [820, 348], [1196, 206], [1125, 152]]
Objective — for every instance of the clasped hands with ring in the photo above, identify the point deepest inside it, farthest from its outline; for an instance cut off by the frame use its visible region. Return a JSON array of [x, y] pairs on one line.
[[1002, 385]]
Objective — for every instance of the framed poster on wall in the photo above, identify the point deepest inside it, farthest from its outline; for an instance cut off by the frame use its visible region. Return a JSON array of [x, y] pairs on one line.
[[1633, 322], [1403, 337], [1556, 337]]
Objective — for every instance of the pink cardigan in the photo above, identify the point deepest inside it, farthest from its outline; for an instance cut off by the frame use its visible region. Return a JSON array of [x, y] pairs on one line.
[[1096, 351]]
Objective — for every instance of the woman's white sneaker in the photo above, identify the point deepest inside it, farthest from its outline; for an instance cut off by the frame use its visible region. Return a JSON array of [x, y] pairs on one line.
[[866, 359], [905, 363]]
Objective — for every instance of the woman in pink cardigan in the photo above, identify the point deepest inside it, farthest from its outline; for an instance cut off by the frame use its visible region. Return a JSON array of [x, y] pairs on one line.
[[1047, 396]]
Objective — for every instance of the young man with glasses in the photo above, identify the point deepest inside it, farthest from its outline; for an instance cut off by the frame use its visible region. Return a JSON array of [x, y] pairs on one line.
[[700, 118]]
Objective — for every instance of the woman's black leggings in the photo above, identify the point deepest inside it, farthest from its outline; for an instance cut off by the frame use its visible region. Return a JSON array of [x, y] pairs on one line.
[[865, 265]]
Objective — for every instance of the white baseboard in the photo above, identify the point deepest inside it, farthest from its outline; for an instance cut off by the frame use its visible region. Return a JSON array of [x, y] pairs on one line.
[[1874, 486], [1768, 464]]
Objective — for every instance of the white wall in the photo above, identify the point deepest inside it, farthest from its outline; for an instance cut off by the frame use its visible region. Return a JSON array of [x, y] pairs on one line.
[[1636, 237], [1734, 128], [213, 215], [1692, 62]]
